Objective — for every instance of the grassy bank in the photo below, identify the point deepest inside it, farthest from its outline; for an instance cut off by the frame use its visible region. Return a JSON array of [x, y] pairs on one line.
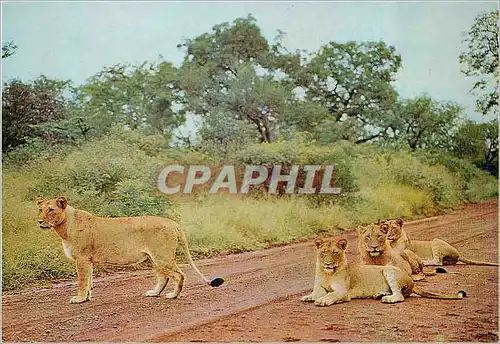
[[114, 177]]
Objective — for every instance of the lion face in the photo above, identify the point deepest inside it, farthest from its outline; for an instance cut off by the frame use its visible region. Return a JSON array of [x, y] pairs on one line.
[[373, 239], [393, 228], [51, 212], [331, 254]]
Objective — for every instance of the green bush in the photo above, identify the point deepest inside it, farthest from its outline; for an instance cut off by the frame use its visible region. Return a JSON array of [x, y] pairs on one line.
[[298, 152], [474, 184]]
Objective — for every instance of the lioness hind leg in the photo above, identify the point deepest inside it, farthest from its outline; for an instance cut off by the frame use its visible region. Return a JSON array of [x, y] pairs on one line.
[[161, 283], [392, 278], [178, 277]]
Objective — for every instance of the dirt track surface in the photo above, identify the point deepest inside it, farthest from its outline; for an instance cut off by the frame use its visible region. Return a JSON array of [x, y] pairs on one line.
[[260, 300]]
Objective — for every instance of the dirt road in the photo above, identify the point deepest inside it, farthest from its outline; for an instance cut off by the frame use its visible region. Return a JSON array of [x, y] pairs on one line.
[[260, 299]]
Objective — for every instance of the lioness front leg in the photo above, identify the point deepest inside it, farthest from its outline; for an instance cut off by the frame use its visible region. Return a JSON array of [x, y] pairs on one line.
[[317, 292], [331, 298], [84, 278], [391, 276]]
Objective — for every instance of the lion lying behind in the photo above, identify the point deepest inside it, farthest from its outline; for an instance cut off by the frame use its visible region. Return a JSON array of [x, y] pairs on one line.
[[88, 239], [337, 281], [374, 249], [433, 252]]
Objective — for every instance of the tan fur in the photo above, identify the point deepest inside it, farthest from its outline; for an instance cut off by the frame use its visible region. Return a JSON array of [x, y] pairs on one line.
[[432, 252], [338, 281], [88, 239], [374, 249]]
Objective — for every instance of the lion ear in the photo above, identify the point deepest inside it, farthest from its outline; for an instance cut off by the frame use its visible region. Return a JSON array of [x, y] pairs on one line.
[[342, 243], [360, 229], [318, 242], [400, 222], [62, 202], [384, 227]]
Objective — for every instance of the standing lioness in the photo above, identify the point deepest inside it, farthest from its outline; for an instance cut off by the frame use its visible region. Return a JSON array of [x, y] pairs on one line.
[[88, 239]]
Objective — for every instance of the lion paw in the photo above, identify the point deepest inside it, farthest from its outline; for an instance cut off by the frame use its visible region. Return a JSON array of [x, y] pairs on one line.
[[392, 298], [151, 292], [171, 295], [308, 298], [322, 302], [78, 299]]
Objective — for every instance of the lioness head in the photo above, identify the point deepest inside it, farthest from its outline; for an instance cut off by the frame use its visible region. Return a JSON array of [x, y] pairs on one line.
[[372, 238], [331, 254], [393, 228], [51, 212]]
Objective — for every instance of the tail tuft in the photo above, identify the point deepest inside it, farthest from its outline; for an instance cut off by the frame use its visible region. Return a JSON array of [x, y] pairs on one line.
[[216, 282], [462, 293], [441, 270]]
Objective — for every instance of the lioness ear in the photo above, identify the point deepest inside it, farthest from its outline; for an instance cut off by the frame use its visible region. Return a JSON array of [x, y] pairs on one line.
[[360, 229], [400, 222], [379, 221], [62, 202], [318, 242], [342, 243], [384, 227], [39, 201]]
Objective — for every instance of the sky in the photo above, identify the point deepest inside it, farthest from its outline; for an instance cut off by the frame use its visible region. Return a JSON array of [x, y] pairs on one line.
[[75, 40]]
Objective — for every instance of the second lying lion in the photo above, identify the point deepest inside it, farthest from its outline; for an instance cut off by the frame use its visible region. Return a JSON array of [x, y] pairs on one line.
[[374, 249]]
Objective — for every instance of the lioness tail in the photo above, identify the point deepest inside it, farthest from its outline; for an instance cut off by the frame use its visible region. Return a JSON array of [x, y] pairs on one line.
[[475, 262], [431, 295], [183, 239]]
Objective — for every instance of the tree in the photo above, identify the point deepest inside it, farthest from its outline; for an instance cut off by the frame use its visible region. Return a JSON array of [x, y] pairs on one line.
[[144, 96], [481, 60], [478, 142], [425, 123], [232, 71], [31, 110], [8, 49], [353, 82]]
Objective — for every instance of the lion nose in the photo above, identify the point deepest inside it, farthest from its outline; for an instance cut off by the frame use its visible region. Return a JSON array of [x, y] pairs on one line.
[[40, 221], [374, 246]]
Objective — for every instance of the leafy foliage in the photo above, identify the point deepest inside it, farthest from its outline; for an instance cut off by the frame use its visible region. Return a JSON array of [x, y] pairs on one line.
[[353, 81], [481, 59], [231, 70], [144, 97], [425, 123], [8, 49], [32, 110]]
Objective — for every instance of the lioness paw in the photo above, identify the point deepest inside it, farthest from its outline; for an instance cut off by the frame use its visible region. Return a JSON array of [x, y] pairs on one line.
[[171, 295], [322, 302], [308, 298], [78, 299], [393, 298], [151, 292]]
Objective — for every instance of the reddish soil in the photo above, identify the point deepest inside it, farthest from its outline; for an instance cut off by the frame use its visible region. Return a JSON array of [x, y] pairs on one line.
[[260, 300]]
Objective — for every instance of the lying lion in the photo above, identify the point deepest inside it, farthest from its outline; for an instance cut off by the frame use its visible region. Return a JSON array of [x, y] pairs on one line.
[[374, 249], [434, 252], [337, 281], [88, 239]]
